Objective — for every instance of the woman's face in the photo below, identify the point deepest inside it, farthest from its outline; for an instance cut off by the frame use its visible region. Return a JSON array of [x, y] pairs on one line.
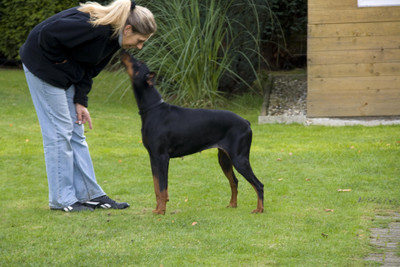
[[132, 39]]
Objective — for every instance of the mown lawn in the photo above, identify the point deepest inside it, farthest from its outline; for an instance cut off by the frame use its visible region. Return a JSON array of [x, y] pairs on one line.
[[307, 222]]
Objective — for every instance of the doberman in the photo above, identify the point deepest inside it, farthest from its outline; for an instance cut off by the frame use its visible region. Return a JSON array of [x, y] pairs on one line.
[[170, 131]]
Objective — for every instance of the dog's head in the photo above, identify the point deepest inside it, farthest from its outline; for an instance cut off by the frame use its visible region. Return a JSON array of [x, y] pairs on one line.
[[138, 72]]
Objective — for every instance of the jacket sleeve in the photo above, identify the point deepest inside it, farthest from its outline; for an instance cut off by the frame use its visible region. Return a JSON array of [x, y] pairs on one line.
[[83, 88]]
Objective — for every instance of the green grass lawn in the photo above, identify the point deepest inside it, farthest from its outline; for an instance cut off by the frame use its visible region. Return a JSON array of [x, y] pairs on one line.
[[307, 222]]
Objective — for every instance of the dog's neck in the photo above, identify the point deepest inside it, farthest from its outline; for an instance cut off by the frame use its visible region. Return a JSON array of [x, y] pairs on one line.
[[147, 99], [143, 111]]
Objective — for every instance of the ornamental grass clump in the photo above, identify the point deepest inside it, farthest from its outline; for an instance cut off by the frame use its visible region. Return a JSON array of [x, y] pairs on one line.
[[196, 46]]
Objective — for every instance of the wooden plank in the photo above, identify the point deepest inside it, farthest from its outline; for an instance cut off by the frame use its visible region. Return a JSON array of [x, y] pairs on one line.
[[348, 97], [376, 14], [349, 84], [353, 56], [353, 43], [318, 109], [353, 104], [355, 95], [354, 29], [354, 70], [329, 4], [361, 105], [338, 5]]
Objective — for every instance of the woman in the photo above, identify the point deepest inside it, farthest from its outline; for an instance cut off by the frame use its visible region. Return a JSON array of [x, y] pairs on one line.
[[61, 56]]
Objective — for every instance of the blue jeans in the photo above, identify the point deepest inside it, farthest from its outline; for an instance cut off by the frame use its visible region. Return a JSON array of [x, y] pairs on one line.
[[70, 172]]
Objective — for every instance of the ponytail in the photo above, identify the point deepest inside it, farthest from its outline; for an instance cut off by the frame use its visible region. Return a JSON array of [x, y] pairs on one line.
[[118, 14]]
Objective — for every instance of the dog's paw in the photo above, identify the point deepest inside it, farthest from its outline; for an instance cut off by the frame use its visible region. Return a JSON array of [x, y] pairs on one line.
[[161, 212], [257, 211]]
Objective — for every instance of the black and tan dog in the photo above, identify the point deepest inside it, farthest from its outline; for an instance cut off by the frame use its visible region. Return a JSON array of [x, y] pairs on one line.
[[170, 131]]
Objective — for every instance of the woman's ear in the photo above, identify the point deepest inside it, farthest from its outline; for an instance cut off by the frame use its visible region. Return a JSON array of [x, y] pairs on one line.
[[127, 30]]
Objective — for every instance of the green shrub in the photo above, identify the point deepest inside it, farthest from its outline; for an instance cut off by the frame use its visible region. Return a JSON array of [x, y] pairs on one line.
[[190, 51], [205, 49], [18, 17]]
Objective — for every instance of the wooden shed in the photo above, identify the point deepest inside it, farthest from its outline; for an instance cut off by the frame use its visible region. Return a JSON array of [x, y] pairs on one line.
[[353, 58]]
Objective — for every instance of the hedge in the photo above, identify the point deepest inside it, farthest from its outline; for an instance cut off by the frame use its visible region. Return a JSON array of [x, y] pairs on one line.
[[18, 17]]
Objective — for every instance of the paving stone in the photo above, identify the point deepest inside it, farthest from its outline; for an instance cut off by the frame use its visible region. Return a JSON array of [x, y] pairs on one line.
[[388, 240], [391, 257], [375, 257]]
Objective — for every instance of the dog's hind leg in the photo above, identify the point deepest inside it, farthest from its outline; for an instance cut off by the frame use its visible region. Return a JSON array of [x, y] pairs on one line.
[[242, 165], [241, 162], [159, 167], [226, 165]]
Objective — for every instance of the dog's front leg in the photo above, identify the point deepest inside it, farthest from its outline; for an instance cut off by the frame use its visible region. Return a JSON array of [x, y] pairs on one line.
[[159, 167]]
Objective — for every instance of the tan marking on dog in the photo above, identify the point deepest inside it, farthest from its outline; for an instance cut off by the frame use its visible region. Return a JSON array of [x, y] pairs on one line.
[[150, 78], [161, 197], [234, 189], [157, 192], [260, 204], [228, 171]]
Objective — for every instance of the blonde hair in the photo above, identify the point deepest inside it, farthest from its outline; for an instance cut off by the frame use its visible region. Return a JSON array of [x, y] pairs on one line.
[[118, 14]]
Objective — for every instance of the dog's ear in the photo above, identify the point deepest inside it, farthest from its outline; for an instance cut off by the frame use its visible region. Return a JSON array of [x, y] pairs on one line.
[[150, 78]]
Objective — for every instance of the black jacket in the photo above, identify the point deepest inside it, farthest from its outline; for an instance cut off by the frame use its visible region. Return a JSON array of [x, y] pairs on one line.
[[69, 36]]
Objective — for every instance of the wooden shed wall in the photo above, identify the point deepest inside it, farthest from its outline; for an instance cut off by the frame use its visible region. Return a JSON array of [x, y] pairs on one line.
[[353, 59]]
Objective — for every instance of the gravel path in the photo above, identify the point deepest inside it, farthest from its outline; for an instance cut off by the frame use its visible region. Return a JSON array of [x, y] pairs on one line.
[[287, 95]]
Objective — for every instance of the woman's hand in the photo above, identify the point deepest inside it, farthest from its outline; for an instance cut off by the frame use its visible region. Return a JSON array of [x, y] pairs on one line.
[[82, 114]]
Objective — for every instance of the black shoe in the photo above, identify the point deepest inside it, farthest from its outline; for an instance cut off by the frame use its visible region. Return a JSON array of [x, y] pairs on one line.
[[77, 206], [106, 203]]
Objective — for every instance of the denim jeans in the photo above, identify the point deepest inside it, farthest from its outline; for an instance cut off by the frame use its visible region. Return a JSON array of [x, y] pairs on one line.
[[70, 172]]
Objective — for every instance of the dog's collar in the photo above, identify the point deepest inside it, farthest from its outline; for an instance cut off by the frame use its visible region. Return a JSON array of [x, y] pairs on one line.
[[152, 106]]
